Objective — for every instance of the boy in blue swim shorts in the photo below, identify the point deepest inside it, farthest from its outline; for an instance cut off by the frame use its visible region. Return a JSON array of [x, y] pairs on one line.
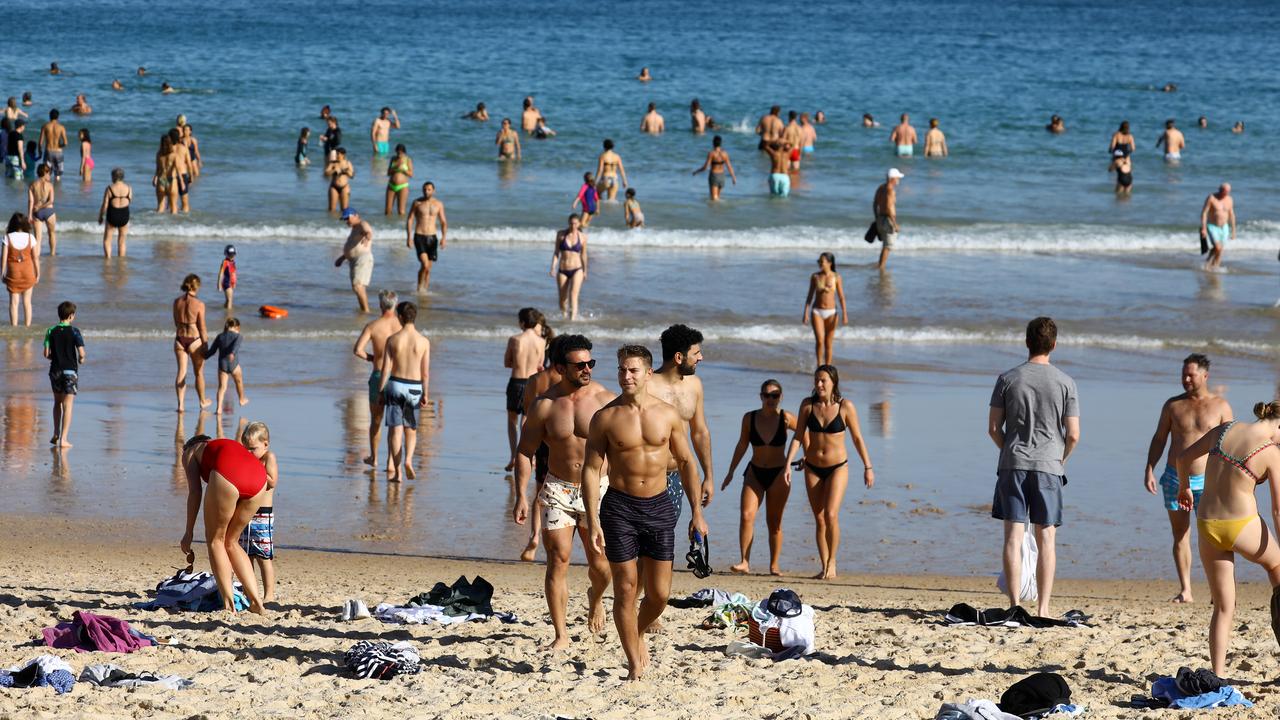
[[1184, 419]]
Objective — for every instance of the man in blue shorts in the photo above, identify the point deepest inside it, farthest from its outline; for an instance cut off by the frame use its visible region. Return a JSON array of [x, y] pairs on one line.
[[1184, 419], [1034, 419]]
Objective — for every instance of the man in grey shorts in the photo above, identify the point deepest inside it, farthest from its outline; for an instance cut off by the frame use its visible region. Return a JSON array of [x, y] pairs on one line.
[[1035, 421]]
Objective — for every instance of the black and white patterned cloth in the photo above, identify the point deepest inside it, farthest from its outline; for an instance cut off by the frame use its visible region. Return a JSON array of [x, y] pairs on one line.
[[382, 660]]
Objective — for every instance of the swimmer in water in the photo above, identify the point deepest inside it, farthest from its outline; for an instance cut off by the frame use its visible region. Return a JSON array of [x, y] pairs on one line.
[[868, 121], [644, 75], [1056, 125], [81, 106], [652, 123], [508, 142], [1122, 165], [718, 163], [1173, 142], [116, 85], [935, 142], [166, 89], [480, 114]]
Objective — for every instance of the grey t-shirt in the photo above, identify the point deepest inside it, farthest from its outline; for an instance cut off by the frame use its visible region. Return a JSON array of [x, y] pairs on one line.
[[1037, 400]]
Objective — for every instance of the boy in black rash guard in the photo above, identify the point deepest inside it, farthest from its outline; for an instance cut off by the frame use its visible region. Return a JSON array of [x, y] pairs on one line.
[[227, 347], [64, 346]]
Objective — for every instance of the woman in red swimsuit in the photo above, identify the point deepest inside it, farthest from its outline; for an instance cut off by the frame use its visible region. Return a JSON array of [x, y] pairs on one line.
[[235, 478]]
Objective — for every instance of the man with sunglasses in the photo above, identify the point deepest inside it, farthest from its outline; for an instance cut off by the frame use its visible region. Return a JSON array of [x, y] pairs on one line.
[[634, 526], [561, 417]]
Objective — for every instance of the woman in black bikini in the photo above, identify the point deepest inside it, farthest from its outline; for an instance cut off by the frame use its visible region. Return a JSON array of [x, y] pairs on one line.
[[826, 461], [763, 479], [569, 265], [190, 339], [116, 200]]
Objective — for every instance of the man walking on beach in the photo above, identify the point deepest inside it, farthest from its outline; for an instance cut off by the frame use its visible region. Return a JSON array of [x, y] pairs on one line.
[[1035, 421], [1173, 142], [525, 352], [1218, 223], [420, 232], [376, 334], [561, 418], [634, 527], [1184, 419], [358, 254], [380, 131], [904, 137], [677, 384], [405, 369], [53, 138], [885, 207]]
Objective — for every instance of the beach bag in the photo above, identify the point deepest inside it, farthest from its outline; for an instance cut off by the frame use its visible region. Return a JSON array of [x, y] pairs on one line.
[[1036, 694], [780, 633], [1027, 583], [873, 233], [1204, 244]]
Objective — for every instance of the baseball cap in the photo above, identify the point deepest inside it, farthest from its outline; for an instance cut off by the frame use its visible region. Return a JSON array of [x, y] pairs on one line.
[[894, 173], [349, 212]]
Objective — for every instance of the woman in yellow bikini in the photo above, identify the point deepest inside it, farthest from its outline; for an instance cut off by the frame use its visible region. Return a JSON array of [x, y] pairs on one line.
[[1241, 457], [399, 172]]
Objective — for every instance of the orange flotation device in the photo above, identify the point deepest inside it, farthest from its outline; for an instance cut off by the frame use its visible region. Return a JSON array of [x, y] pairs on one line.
[[273, 312]]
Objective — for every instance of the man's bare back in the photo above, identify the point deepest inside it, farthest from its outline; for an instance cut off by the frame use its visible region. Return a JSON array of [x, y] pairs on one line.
[[408, 357], [769, 128], [525, 351], [376, 333]]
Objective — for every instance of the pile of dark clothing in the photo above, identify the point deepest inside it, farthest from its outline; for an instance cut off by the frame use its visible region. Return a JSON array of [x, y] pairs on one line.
[[1017, 616], [192, 591], [462, 598], [1034, 696], [44, 671], [382, 660], [1191, 689]]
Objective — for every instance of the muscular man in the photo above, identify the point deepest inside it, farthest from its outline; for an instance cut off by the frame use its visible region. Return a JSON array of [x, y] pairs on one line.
[[608, 168], [676, 384], [653, 122], [380, 130], [904, 137], [406, 370], [1184, 419], [885, 207], [357, 252], [634, 527], [530, 116], [525, 352], [779, 158], [53, 138], [770, 127], [420, 232], [377, 333], [561, 418], [1217, 223], [1173, 142]]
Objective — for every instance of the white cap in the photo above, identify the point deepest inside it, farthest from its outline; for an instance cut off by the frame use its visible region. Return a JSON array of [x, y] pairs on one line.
[[894, 174]]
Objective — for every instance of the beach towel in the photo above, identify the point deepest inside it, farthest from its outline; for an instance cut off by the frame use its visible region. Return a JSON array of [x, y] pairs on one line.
[[422, 614], [1165, 690], [964, 614], [382, 660], [42, 671], [192, 591], [96, 633], [1027, 587], [107, 675], [462, 598]]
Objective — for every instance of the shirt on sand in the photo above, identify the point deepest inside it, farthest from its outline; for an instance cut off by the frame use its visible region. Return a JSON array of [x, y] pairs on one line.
[[63, 340], [1037, 400]]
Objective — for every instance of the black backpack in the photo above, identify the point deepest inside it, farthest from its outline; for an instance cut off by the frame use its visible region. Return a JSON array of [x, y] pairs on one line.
[[1036, 694]]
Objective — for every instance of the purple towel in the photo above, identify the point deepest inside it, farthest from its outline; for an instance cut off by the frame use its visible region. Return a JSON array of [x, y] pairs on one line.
[[89, 633]]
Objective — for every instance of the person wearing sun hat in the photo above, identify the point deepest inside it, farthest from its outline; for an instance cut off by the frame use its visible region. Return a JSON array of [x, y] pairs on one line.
[[885, 207], [358, 253]]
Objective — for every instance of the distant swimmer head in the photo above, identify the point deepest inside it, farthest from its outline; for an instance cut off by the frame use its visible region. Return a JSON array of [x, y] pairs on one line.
[[12, 102], [1170, 87], [653, 107], [1203, 122], [820, 117], [83, 134], [694, 105], [351, 214], [528, 102], [867, 120], [387, 300], [775, 109], [229, 251], [1042, 335], [791, 115], [54, 69], [141, 71], [894, 174], [384, 113], [26, 98]]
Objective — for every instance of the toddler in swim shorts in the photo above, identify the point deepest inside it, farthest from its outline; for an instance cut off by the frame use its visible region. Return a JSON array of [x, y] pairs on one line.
[[258, 537]]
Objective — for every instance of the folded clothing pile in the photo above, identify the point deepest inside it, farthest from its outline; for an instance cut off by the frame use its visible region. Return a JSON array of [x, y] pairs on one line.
[[444, 604], [382, 660], [193, 591], [115, 676], [43, 671], [1191, 689], [88, 632]]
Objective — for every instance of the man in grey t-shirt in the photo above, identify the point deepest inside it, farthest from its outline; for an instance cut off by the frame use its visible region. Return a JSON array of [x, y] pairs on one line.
[[1035, 421]]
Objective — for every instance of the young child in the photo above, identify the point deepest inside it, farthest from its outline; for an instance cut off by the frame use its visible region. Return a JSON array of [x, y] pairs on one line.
[[64, 347], [227, 274], [635, 216], [227, 346], [300, 155], [258, 537], [588, 198]]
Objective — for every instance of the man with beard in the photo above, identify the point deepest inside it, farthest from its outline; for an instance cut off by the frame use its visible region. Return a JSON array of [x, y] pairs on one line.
[[676, 384], [561, 417]]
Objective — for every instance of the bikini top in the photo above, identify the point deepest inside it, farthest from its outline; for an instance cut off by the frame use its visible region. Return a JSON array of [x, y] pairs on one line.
[[566, 247], [779, 437], [836, 425], [399, 167], [1240, 463]]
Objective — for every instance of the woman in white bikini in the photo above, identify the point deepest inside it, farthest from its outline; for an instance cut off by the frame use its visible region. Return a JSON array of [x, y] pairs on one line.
[[825, 286]]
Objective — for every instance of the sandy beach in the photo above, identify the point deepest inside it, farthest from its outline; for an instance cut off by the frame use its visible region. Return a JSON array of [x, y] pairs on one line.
[[881, 649]]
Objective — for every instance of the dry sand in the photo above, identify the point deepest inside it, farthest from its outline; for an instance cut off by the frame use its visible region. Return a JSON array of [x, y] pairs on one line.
[[881, 651]]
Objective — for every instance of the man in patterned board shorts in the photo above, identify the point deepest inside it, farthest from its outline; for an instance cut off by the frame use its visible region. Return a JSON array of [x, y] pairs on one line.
[[635, 522], [560, 417]]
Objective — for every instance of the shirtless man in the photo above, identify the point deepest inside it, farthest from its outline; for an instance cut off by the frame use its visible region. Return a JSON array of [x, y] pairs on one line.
[[182, 165], [904, 137], [380, 130], [770, 127], [420, 232], [698, 120], [1173, 142], [779, 158], [376, 333], [1218, 223], [561, 418], [718, 161], [1186, 417], [608, 168], [793, 138], [539, 383], [885, 208], [529, 116], [634, 525], [676, 384], [525, 352], [935, 143], [653, 122], [53, 138], [406, 371], [357, 252]]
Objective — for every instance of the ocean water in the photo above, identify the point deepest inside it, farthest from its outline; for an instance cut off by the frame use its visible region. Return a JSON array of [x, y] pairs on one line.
[[1014, 224]]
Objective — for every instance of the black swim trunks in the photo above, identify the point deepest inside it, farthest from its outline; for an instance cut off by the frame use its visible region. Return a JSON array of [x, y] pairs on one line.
[[637, 526], [428, 245], [64, 382], [515, 395]]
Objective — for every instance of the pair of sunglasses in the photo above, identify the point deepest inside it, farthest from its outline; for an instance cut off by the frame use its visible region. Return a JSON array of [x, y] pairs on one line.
[[582, 365], [772, 395]]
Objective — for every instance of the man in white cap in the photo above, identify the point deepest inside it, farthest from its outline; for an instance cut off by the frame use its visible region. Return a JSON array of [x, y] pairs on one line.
[[885, 207], [358, 253]]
